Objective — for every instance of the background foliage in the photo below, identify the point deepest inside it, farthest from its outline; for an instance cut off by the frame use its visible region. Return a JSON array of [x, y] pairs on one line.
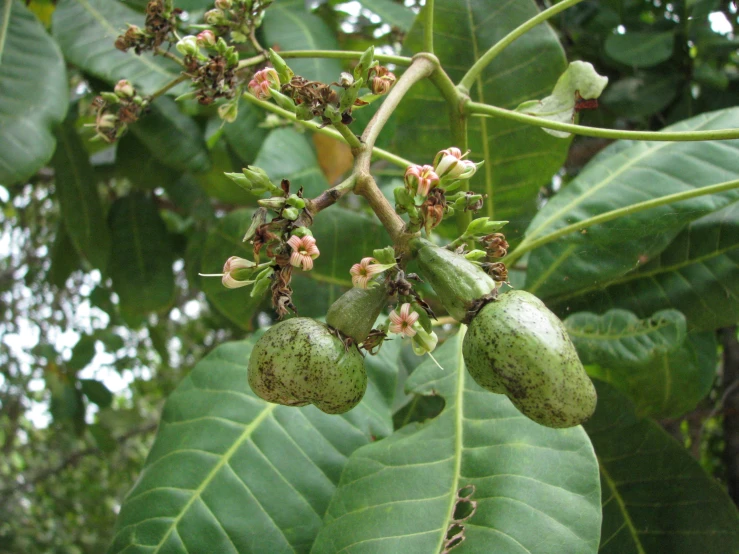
[[105, 316]]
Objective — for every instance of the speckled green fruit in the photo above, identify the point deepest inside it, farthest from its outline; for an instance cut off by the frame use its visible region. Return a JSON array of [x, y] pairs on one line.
[[299, 362], [456, 281], [517, 347], [355, 312]]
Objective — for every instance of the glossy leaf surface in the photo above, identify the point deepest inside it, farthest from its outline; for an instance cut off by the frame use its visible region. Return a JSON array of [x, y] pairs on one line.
[[697, 274], [481, 448], [663, 370], [33, 93], [622, 175], [231, 473], [81, 208], [656, 498]]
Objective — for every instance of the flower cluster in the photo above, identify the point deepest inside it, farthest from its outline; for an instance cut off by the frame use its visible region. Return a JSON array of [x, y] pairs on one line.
[[116, 110], [424, 197], [159, 27]]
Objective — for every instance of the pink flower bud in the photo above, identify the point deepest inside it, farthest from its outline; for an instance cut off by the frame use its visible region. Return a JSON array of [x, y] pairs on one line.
[[206, 38], [124, 89], [382, 81], [264, 80], [451, 163], [420, 179]]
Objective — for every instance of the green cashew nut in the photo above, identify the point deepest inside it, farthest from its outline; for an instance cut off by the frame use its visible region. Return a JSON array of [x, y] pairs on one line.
[[457, 282], [355, 311], [517, 347], [300, 361]]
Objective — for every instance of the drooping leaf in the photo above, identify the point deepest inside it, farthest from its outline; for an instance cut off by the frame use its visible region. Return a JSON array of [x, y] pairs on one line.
[[288, 25], [33, 93], [622, 175], [392, 13], [656, 498], [76, 190], [620, 337], [640, 49], [698, 274], [86, 31], [64, 257], [287, 154], [664, 371], [401, 494], [230, 473], [141, 260], [519, 159], [172, 137], [580, 81]]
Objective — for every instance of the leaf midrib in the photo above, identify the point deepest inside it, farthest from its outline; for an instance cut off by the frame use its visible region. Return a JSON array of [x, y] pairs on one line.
[[622, 507], [458, 439], [650, 149], [644, 275], [4, 28], [223, 461]]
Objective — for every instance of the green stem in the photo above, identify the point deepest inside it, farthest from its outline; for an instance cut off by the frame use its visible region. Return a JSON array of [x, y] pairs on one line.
[[529, 245], [502, 44], [316, 128], [173, 83], [428, 27], [679, 136], [349, 137], [331, 54]]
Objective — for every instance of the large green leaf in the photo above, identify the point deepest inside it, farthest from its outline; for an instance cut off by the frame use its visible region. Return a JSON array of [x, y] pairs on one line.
[[289, 26], [619, 337], [519, 159], [141, 261], [664, 371], [86, 31], [656, 498], [33, 93], [287, 154], [697, 274], [76, 190], [622, 175], [536, 489], [172, 137], [230, 473]]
